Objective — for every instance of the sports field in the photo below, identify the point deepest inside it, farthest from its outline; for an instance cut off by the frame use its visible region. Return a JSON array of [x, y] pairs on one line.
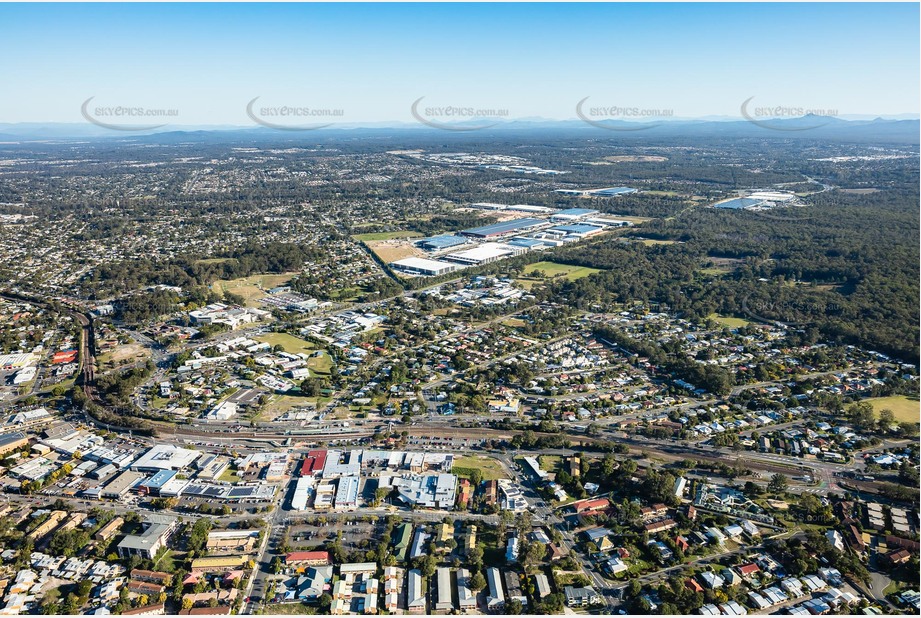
[[905, 410]]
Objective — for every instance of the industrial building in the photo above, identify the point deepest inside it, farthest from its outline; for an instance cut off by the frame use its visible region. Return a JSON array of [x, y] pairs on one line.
[[484, 254], [576, 231], [422, 266], [437, 243], [504, 228], [612, 191], [572, 214]]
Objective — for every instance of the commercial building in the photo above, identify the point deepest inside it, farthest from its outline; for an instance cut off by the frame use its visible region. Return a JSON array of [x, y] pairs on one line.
[[347, 493], [307, 558], [165, 457], [119, 487], [303, 490], [435, 491], [10, 442], [155, 483], [313, 463], [422, 266], [580, 597]]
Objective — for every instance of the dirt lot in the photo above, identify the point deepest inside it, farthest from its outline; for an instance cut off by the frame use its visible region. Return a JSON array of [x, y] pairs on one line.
[[396, 249]]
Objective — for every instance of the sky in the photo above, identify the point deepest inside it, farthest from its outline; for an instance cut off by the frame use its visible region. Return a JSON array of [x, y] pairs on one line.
[[370, 62]]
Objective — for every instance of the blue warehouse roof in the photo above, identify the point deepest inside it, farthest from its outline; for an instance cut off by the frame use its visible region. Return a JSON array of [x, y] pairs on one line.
[[575, 212], [443, 242], [503, 228], [576, 228]]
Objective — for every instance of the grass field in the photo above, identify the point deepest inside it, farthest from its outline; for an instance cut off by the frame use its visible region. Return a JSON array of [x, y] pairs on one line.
[[215, 260], [229, 476], [386, 235], [320, 364], [550, 463], [730, 322], [279, 404], [488, 467], [905, 410], [291, 344], [630, 218], [649, 242], [251, 288], [553, 269]]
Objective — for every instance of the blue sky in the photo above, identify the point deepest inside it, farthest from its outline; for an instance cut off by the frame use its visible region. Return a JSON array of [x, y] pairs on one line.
[[535, 60]]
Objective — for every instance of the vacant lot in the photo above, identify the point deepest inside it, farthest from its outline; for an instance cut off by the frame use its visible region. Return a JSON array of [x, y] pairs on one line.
[[123, 353], [251, 288], [488, 467], [554, 269], [392, 250], [730, 322], [906, 410], [291, 344], [373, 236]]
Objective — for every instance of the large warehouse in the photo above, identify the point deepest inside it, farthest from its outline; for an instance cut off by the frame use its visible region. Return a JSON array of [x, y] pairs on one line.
[[504, 228], [485, 253], [422, 266], [573, 214], [437, 243]]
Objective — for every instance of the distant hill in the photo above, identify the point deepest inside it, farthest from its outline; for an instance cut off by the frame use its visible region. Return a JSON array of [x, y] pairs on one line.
[[806, 127]]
